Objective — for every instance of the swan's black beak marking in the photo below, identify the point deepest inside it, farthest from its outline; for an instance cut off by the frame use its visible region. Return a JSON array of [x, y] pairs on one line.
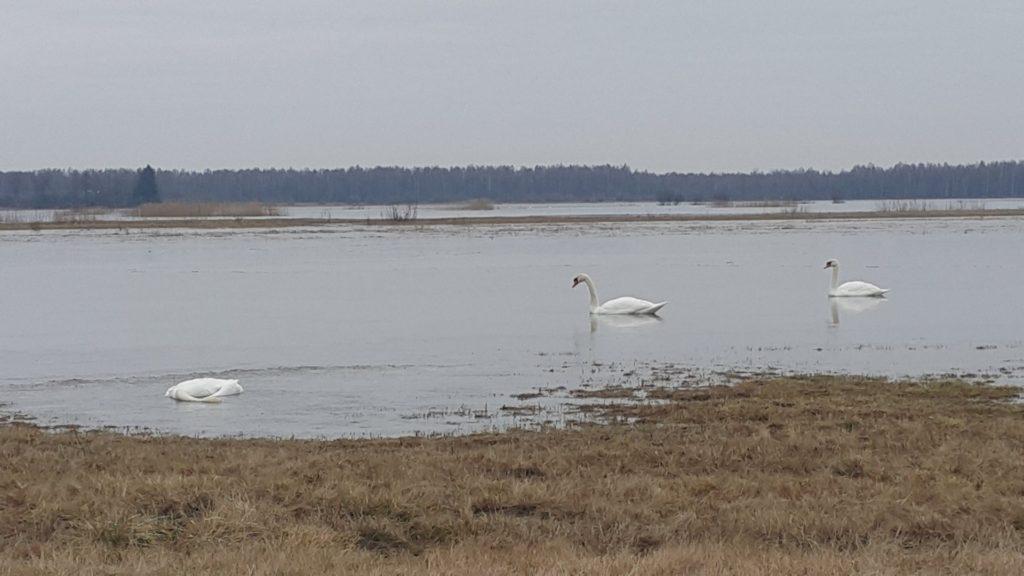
[[575, 282]]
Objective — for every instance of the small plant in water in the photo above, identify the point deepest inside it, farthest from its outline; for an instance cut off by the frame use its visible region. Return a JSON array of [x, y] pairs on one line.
[[399, 213]]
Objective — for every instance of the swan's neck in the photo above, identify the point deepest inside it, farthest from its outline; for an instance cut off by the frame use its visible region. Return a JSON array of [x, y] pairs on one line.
[[594, 302], [835, 277]]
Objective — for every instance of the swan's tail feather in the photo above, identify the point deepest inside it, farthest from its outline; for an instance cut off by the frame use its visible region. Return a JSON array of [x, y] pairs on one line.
[[230, 388], [654, 309]]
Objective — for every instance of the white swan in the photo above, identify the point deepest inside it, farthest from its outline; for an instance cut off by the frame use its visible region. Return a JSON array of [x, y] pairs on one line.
[[624, 305], [203, 390], [851, 289]]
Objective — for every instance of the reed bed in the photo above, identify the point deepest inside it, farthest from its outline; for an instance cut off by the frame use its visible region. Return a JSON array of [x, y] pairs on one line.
[[11, 217], [79, 215], [775, 475], [206, 210]]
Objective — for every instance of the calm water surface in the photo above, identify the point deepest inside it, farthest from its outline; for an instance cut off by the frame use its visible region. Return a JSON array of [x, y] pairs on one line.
[[374, 212], [350, 331]]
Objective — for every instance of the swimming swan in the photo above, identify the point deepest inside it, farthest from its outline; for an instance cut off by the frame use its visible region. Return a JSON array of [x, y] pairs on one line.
[[851, 289], [203, 390], [624, 305]]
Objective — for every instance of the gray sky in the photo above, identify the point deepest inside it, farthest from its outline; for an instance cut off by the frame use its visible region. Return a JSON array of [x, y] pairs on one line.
[[684, 85]]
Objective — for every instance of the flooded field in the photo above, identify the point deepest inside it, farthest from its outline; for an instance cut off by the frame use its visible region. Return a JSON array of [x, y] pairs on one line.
[[466, 210], [351, 331]]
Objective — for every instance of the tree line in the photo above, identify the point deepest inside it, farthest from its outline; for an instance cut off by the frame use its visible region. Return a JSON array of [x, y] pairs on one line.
[[67, 188]]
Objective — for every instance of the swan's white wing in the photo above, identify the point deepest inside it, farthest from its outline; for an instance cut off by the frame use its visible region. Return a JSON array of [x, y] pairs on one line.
[[627, 305], [204, 389], [186, 392], [858, 288], [186, 397], [200, 387]]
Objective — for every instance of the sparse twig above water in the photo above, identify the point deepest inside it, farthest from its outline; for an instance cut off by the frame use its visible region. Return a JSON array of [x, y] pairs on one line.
[[399, 212]]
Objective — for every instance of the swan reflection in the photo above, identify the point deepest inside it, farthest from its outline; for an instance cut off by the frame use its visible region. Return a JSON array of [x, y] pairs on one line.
[[623, 322], [852, 306]]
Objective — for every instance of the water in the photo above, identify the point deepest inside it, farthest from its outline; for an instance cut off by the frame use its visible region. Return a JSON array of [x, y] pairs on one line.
[[375, 212], [355, 331]]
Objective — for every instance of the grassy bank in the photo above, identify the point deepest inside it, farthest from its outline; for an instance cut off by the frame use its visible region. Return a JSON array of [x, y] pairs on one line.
[[814, 475], [386, 220]]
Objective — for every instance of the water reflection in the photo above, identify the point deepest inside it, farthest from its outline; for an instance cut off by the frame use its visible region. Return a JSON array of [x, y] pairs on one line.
[[624, 321], [852, 306]]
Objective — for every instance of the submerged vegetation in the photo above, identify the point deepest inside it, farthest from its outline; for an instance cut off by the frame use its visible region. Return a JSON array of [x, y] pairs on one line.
[[772, 475]]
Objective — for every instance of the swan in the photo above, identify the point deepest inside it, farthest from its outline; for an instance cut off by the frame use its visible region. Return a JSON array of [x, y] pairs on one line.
[[203, 390], [854, 288], [624, 305]]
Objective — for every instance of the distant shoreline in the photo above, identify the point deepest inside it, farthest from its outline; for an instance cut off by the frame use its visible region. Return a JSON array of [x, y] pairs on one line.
[[274, 222]]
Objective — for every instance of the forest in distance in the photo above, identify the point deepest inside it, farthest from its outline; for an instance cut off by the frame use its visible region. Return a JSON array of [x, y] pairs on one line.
[[69, 188]]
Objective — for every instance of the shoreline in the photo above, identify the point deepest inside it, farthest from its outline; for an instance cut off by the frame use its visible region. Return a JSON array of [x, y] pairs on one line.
[[773, 474], [277, 222]]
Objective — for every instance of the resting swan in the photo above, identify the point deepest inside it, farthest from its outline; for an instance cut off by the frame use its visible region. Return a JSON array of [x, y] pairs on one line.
[[851, 289], [624, 305], [203, 390]]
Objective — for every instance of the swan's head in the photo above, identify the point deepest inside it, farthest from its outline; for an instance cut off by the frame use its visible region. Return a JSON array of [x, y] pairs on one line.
[[832, 264], [579, 279]]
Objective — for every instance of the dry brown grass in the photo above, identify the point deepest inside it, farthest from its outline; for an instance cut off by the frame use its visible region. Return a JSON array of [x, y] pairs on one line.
[[774, 476], [206, 210]]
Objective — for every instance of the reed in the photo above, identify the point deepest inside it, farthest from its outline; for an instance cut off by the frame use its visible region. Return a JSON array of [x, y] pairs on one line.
[[206, 210]]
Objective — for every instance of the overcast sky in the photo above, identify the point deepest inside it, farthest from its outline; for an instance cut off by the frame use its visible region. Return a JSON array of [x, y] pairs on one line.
[[674, 85]]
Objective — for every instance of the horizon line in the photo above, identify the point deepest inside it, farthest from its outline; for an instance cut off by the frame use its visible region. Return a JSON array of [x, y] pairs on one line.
[[518, 167]]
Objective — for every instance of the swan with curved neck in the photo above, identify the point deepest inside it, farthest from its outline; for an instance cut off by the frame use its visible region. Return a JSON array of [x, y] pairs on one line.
[[853, 288], [203, 390], [624, 305]]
